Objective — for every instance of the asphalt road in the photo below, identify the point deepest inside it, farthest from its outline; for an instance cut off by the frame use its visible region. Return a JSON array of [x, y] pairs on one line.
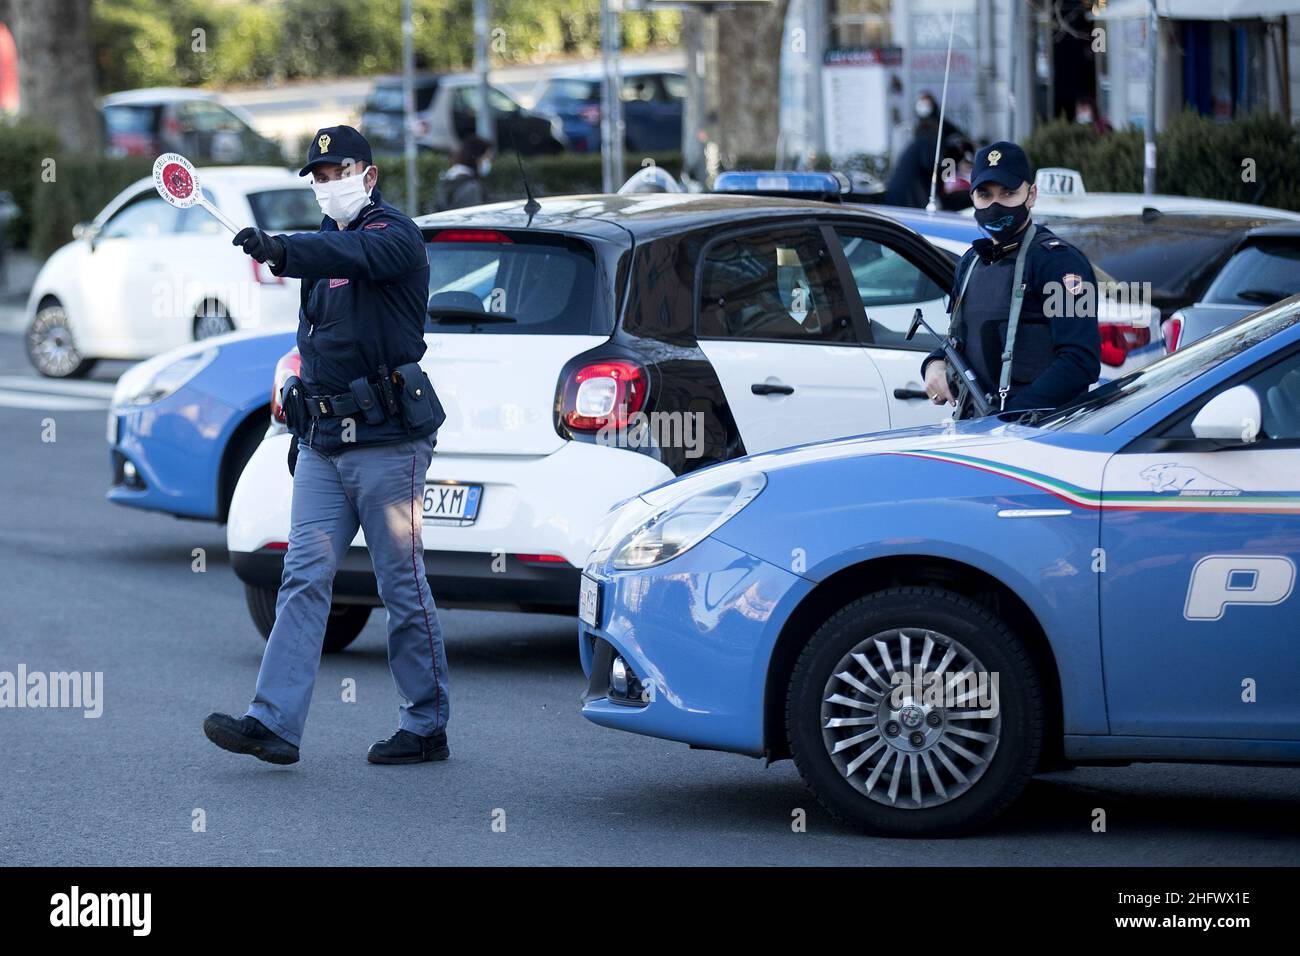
[[90, 586]]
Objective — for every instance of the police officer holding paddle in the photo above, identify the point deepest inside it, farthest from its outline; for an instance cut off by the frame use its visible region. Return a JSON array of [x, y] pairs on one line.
[[1024, 303], [364, 418]]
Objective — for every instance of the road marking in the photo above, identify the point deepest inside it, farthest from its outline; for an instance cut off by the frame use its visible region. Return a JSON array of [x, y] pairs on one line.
[[51, 403], [54, 386]]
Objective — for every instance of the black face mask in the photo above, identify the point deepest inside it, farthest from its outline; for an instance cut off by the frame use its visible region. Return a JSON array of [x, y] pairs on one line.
[[1002, 222]]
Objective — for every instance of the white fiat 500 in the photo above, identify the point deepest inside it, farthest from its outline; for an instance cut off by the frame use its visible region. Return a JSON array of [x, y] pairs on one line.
[[144, 277]]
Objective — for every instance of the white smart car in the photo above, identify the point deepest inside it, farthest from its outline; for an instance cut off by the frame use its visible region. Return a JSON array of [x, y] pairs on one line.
[[605, 345], [145, 277]]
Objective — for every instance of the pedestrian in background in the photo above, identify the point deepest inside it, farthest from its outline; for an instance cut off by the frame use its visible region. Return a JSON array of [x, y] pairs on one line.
[[462, 184]]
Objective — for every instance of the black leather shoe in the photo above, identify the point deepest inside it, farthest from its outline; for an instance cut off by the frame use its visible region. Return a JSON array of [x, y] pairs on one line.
[[407, 747], [248, 735]]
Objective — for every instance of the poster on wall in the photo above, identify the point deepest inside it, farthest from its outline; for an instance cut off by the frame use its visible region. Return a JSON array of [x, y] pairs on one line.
[[861, 90]]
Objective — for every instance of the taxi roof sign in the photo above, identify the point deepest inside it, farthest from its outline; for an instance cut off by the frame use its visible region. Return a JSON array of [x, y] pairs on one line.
[[1058, 181]]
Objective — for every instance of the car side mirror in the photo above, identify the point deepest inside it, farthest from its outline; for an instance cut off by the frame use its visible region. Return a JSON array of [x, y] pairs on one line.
[[85, 230], [1232, 417]]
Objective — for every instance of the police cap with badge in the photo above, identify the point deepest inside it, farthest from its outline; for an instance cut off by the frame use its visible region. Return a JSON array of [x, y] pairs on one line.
[[336, 144]]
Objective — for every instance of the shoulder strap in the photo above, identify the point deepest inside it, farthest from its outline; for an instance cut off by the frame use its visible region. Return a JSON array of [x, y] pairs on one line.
[[1013, 319], [961, 294]]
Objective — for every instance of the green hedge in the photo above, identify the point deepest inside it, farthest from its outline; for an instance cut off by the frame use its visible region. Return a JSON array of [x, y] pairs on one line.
[[1195, 156], [55, 190]]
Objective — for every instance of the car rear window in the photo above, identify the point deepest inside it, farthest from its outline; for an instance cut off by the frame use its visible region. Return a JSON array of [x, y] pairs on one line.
[[285, 210], [131, 119], [1175, 262], [519, 282], [388, 99], [1263, 272]]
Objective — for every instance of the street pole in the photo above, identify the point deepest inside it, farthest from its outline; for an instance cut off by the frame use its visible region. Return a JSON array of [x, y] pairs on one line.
[[1149, 133], [611, 123], [483, 124], [408, 106]]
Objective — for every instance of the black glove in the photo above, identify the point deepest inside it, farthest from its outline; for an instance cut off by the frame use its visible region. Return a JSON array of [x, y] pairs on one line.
[[293, 454], [260, 245]]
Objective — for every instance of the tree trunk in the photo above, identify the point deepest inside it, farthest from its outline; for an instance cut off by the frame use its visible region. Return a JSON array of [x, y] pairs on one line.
[[56, 79], [747, 80]]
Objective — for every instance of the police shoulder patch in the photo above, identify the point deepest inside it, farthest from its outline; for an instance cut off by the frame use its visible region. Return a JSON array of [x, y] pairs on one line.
[[375, 225], [1072, 282]]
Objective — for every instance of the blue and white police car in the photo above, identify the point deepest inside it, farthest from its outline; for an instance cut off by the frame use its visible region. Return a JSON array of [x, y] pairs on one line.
[[924, 619]]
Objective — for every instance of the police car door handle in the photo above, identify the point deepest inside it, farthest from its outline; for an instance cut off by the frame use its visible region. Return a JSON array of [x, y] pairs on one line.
[[911, 393], [766, 388]]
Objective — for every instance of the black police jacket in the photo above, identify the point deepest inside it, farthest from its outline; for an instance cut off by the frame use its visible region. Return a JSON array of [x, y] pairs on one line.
[[364, 294], [1057, 351]]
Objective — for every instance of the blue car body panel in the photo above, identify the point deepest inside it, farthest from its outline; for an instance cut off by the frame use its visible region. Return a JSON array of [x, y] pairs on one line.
[[177, 443], [1103, 541]]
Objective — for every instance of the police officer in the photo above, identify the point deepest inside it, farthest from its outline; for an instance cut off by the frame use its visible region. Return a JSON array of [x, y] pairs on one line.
[[364, 419], [1024, 302]]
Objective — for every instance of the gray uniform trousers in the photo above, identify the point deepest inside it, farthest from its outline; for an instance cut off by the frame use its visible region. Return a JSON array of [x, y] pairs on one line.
[[379, 488]]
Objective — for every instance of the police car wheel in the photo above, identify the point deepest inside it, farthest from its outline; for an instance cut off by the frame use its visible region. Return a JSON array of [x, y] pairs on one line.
[[51, 347], [894, 751], [345, 623]]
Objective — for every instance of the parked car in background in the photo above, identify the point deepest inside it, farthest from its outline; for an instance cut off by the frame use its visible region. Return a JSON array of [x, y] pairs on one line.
[[183, 424], [1061, 194], [652, 109], [1180, 254], [446, 111], [1264, 268], [923, 620], [145, 277], [192, 122]]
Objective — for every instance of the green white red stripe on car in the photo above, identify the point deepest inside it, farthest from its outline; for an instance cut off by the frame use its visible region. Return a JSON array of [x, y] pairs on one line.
[[1173, 483]]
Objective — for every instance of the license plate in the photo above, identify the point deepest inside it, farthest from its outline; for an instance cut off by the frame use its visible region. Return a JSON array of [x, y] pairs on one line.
[[451, 502], [112, 428], [589, 601]]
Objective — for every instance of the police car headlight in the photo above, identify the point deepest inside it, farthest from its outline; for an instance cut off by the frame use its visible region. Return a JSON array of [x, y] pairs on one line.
[[680, 525], [153, 383]]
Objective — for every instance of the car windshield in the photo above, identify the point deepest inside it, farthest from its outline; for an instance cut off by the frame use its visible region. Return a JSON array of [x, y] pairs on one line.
[[1263, 272], [1174, 261], [1114, 403], [386, 98], [484, 281], [285, 210]]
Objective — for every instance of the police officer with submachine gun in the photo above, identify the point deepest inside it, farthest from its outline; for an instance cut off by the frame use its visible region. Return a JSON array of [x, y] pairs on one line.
[[1023, 333]]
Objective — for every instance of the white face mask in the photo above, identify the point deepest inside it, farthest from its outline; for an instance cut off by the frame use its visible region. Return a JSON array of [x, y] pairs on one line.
[[484, 166], [342, 199]]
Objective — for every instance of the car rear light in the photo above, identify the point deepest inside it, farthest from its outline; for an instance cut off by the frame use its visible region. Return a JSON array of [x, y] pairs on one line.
[[542, 558], [1119, 338], [603, 393], [470, 235], [276, 546], [264, 276], [290, 364], [589, 114], [1173, 332]]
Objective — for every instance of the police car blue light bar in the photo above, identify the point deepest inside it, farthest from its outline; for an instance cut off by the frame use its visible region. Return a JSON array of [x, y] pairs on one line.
[[826, 186]]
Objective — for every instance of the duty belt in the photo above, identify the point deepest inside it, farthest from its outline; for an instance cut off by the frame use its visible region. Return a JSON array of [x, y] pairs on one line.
[[332, 406], [343, 404]]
